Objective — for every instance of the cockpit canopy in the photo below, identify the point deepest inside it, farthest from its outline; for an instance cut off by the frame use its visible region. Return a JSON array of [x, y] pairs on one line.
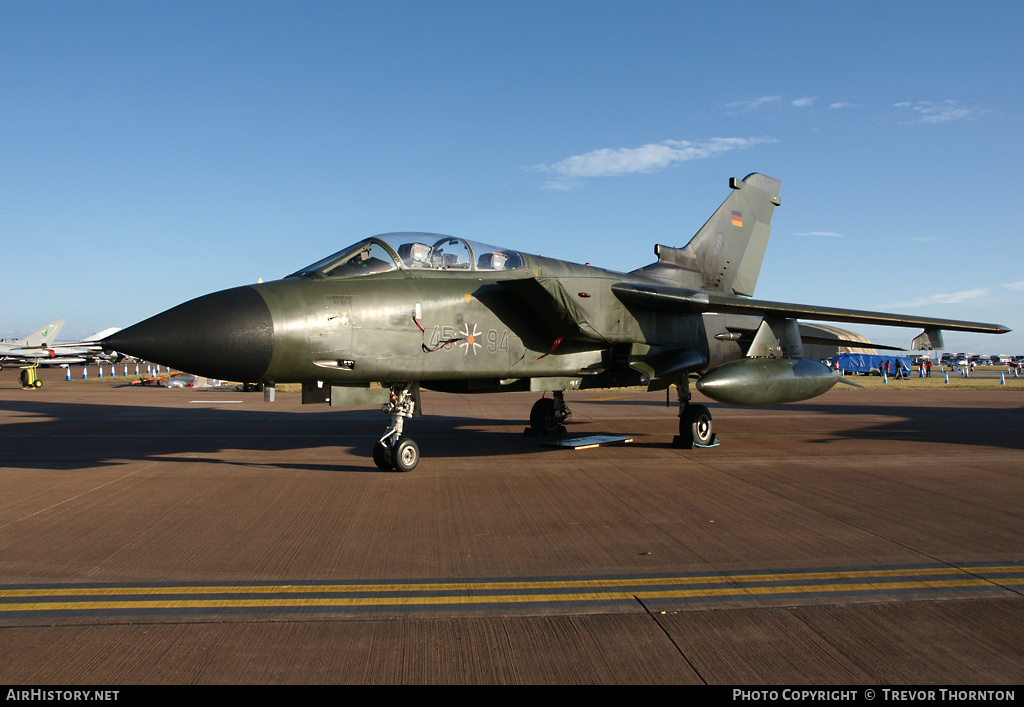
[[412, 251]]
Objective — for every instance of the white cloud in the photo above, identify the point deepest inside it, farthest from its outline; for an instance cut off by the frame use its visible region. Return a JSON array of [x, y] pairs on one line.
[[754, 103], [931, 113], [840, 104], [802, 102], [562, 185], [829, 234], [947, 298], [610, 162], [1014, 285]]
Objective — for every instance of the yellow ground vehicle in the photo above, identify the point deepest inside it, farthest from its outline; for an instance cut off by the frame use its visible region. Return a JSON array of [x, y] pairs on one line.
[[28, 377]]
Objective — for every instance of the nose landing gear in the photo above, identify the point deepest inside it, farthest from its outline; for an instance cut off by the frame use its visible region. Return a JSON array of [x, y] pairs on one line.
[[392, 453]]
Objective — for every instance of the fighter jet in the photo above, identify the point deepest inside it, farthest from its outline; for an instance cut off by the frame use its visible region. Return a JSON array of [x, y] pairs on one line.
[[381, 318], [34, 346], [82, 351], [50, 353]]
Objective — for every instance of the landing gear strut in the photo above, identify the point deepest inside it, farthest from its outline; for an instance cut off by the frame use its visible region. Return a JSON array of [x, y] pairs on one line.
[[392, 453], [695, 425], [549, 415]]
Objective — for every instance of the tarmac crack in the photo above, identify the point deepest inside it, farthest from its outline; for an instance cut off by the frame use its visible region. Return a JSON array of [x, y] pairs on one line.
[[982, 578], [671, 640]]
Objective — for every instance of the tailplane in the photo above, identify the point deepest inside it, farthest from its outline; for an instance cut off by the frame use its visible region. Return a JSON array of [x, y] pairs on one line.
[[726, 254]]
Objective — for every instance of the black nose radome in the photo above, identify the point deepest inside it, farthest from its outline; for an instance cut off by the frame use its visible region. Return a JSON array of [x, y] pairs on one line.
[[227, 335]]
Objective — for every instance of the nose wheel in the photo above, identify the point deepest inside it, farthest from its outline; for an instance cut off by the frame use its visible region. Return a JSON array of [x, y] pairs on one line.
[[403, 456], [392, 452]]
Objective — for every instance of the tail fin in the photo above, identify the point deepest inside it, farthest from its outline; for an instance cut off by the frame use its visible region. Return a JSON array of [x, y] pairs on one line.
[[43, 336], [727, 252], [102, 334]]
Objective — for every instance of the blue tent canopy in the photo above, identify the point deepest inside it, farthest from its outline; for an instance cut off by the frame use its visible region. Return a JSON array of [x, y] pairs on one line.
[[865, 363]]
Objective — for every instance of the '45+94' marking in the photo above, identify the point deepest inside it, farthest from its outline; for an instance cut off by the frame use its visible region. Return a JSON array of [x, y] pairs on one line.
[[470, 339]]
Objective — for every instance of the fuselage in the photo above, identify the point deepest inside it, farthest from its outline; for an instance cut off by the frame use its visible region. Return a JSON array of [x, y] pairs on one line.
[[544, 318]]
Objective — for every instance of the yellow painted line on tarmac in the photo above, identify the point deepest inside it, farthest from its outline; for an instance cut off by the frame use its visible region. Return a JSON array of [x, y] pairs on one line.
[[507, 585], [377, 601], [263, 597]]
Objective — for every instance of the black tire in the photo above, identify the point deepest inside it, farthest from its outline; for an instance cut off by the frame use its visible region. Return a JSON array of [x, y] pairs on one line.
[[382, 457], [696, 423], [24, 379], [406, 455], [37, 384], [543, 419]]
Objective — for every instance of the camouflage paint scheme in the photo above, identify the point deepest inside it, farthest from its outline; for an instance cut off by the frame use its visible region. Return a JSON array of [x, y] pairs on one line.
[[454, 315]]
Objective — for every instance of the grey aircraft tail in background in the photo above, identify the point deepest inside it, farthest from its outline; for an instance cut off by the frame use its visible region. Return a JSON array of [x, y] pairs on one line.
[[32, 347], [408, 309]]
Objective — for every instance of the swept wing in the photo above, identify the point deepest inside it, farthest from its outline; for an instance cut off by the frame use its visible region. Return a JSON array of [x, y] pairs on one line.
[[692, 301]]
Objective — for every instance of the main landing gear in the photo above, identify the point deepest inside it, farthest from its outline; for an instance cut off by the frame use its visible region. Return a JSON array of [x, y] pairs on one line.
[[549, 415], [695, 426], [392, 453]]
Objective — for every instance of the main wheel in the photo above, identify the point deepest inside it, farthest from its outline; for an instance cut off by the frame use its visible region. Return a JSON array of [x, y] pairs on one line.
[[406, 455], [543, 419], [696, 422], [382, 457]]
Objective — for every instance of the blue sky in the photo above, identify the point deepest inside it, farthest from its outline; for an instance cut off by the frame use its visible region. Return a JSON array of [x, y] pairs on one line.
[[152, 152]]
